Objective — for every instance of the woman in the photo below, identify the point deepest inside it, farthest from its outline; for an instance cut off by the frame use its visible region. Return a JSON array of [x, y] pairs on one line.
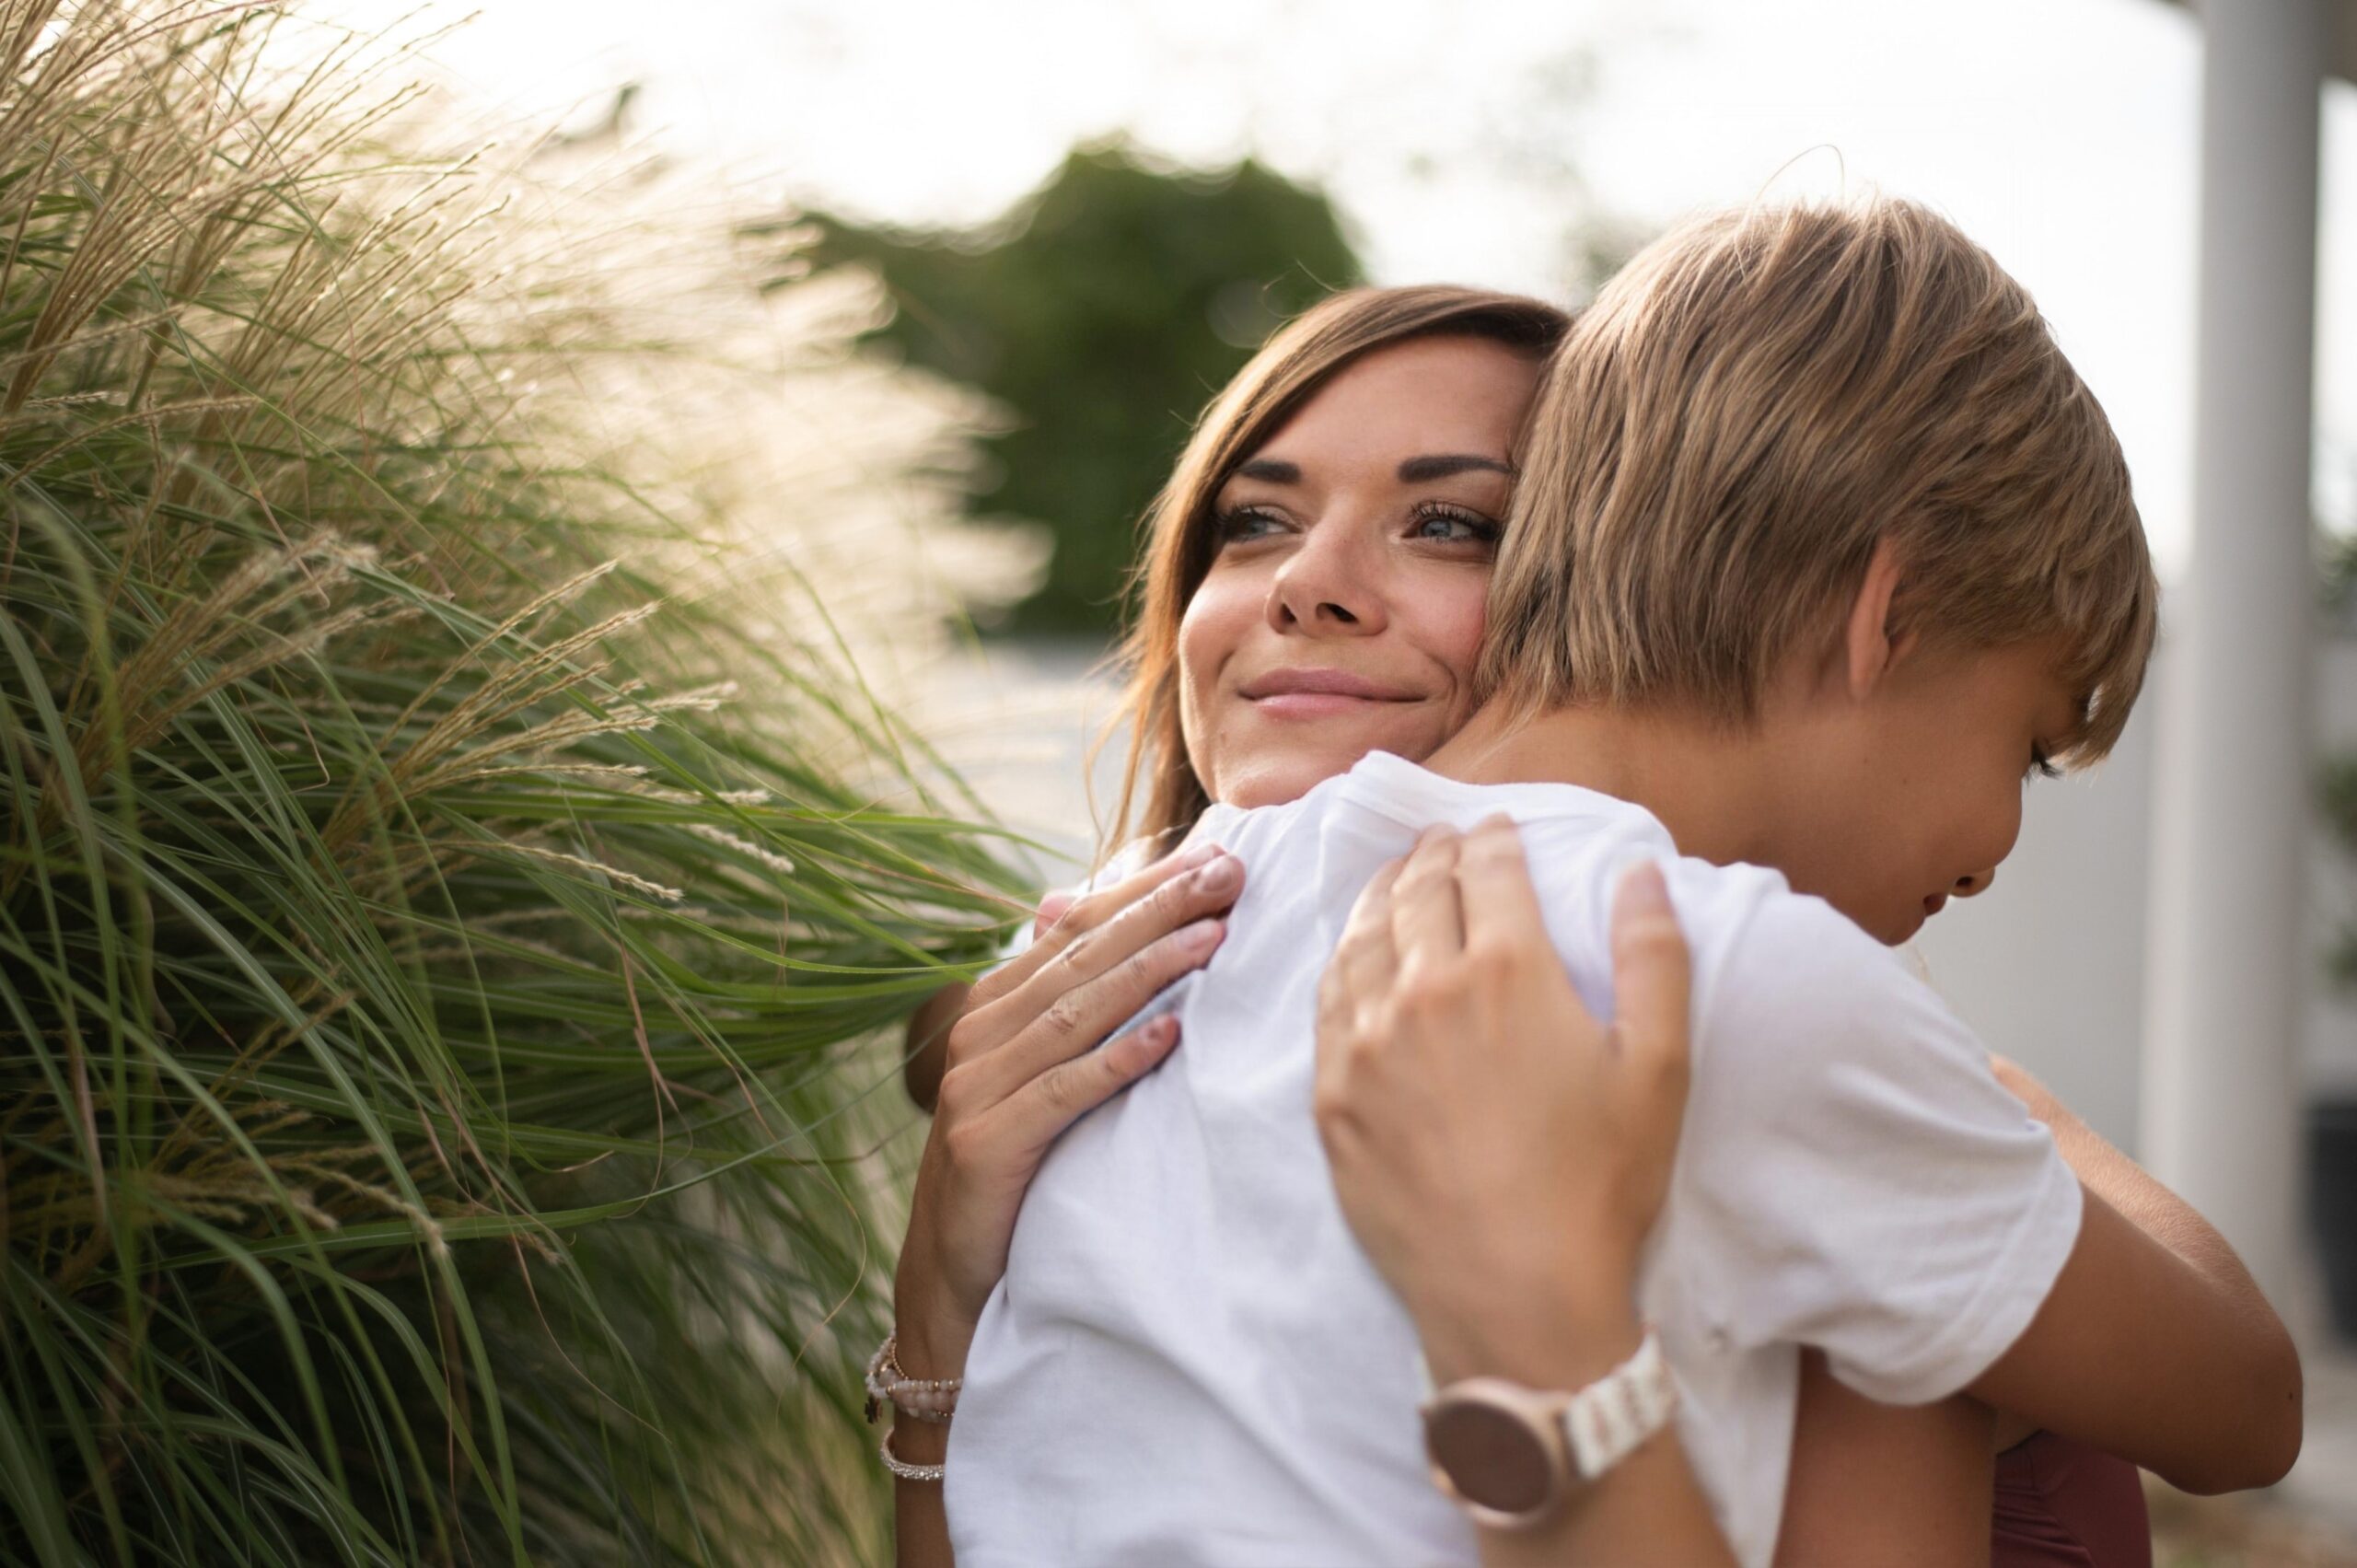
[[1457, 369]]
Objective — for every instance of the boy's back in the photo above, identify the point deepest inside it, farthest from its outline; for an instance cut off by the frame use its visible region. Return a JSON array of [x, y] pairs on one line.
[[1191, 1360]]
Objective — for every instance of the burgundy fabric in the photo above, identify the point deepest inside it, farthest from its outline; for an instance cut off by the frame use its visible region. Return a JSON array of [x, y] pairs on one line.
[[2061, 1504]]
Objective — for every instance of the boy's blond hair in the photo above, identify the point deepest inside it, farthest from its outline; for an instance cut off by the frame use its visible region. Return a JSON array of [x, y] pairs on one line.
[[1754, 403]]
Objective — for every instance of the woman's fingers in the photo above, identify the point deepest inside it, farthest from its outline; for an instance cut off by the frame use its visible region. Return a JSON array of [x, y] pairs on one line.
[[1205, 889], [1052, 908], [1427, 926], [1651, 981], [1086, 915], [1040, 1109], [1501, 906], [1093, 938], [1365, 961], [1074, 1022]]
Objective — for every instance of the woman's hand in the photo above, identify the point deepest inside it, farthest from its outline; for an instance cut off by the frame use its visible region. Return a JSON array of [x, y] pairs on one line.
[[1500, 1155], [1023, 1064], [928, 1028]]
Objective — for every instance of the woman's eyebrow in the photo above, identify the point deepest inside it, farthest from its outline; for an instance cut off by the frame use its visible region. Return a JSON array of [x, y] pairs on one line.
[[1412, 471], [1269, 471], [1421, 470]]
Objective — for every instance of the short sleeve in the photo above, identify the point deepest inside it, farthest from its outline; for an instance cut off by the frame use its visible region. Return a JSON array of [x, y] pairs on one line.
[[1866, 1185]]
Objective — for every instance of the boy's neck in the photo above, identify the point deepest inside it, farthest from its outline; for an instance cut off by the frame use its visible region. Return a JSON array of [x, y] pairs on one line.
[[1706, 782]]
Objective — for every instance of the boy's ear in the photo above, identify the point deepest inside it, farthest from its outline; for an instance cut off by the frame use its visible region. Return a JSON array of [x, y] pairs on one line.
[[1870, 646]]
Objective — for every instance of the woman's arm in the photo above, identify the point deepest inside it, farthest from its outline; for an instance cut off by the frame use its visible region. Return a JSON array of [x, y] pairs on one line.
[[2154, 1343], [1504, 1176], [1021, 1063]]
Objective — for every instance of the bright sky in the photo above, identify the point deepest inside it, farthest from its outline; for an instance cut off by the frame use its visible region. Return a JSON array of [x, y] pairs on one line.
[[2063, 134]]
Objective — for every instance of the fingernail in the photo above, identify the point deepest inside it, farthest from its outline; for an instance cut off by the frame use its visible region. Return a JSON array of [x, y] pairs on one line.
[[1201, 934], [1643, 889], [1200, 855], [1221, 876]]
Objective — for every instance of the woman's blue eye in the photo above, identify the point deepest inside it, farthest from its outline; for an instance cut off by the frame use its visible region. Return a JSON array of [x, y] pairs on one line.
[[1452, 525], [1243, 525]]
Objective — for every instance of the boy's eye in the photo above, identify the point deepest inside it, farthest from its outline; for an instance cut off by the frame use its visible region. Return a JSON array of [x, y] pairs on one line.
[[2041, 766], [1452, 524]]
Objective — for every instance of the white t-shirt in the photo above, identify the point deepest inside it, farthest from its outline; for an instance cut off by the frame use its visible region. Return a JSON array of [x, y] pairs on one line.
[[1191, 1360]]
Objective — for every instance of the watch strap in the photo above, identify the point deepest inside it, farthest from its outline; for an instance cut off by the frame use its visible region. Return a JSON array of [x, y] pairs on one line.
[[1610, 1418]]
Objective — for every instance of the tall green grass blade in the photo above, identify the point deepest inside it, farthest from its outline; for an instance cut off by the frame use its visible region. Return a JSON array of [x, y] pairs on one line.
[[442, 999]]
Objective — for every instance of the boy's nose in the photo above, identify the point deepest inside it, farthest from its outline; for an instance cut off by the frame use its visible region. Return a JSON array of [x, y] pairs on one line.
[[1974, 882]]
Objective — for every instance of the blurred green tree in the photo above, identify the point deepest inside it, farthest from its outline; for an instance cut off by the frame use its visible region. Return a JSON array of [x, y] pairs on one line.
[[1102, 311]]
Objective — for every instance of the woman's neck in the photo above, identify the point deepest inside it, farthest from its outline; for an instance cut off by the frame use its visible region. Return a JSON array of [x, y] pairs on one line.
[[1706, 782]]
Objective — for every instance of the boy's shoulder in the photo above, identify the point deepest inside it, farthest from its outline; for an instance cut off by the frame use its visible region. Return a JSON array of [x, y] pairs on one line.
[[1738, 919], [1753, 937], [1748, 927], [1785, 986]]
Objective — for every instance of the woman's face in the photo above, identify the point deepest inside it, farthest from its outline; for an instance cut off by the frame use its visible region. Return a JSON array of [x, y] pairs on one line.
[[1343, 611]]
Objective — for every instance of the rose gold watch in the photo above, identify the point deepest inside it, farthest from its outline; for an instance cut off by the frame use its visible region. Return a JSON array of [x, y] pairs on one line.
[[1510, 1456]]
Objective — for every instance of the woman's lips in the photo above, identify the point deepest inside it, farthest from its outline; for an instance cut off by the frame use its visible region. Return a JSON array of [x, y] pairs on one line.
[[1935, 904], [1316, 704], [1312, 693]]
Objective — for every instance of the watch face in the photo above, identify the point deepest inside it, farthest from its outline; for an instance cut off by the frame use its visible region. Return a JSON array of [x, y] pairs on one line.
[[1490, 1455]]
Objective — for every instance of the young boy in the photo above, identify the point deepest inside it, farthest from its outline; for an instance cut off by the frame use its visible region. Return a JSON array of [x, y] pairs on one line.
[[1820, 546]]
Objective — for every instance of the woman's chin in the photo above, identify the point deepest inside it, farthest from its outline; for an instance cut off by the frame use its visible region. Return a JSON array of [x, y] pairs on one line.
[[1277, 780]]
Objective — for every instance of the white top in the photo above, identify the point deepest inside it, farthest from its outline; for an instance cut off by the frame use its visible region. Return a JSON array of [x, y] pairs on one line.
[[1191, 1360]]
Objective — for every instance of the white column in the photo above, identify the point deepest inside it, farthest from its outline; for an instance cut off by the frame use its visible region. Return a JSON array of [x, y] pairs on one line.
[[2230, 965]]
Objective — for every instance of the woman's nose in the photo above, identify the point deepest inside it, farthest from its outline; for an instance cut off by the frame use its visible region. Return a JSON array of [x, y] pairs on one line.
[[1327, 586]]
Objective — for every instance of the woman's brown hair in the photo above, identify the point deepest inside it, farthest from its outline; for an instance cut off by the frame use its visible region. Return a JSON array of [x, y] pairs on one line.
[[1160, 792]]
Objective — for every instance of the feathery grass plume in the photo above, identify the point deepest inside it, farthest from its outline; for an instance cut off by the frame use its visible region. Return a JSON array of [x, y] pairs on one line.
[[449, 859]]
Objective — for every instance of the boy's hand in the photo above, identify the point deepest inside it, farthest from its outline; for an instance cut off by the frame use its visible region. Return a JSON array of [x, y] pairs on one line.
[[1499, 1153]]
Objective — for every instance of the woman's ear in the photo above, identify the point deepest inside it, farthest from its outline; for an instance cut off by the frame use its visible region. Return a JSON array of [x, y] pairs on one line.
[[1870, 646]]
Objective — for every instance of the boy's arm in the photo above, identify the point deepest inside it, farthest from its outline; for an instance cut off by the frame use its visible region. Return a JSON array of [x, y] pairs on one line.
[[2142, 1201], [2251, 1332], [2139, 1352], [1874, 1484], [1897, 1207]]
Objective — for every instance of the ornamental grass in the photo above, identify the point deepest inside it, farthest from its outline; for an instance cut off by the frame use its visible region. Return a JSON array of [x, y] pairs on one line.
[[453, 879]]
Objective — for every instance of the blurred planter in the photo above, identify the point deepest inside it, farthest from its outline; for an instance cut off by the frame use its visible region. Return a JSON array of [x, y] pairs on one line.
[[2332, 1204]]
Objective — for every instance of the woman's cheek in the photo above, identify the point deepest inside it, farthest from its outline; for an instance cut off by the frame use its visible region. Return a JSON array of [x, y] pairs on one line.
[[1456, 639], [1219, 616]]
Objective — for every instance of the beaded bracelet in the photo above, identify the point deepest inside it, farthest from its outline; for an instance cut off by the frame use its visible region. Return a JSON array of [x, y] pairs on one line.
[[902, 1468], [926, 1398]]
